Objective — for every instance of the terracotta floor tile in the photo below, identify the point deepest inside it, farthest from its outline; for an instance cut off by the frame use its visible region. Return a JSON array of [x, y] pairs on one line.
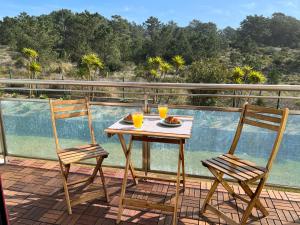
[[34, 195]]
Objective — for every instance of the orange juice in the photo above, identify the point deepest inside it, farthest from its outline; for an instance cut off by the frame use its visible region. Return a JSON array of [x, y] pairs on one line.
[[137, 119], [163, 111]]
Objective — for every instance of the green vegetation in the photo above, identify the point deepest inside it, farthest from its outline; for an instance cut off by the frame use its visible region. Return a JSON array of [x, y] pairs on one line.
[[91, 64], [206, 71], [67, 45]]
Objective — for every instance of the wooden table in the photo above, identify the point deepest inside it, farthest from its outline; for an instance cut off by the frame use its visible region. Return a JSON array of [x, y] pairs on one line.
[[152, 131]]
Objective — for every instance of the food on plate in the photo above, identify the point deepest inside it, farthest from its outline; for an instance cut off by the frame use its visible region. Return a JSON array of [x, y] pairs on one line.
[[172, 120], [128, 117]]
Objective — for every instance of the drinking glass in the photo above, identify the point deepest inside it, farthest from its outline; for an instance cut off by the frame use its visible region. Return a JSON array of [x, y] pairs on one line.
[[163, 111], [137, 119]]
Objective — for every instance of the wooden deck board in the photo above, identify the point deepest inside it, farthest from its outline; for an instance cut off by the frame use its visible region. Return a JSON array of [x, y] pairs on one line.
[[33, 195]]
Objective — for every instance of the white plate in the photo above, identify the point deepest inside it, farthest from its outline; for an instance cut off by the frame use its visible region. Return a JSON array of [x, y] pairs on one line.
[[164, 123], [127, 121]]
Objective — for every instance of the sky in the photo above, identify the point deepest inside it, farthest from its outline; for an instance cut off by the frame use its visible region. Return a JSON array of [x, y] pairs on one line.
[[222, 12]]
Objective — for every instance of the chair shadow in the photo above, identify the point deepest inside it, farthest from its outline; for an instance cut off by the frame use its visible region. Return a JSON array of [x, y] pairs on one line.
[[55, 199]]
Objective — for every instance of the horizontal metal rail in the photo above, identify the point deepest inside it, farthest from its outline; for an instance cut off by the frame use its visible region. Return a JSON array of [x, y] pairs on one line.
[[152, 94], [186, 86]]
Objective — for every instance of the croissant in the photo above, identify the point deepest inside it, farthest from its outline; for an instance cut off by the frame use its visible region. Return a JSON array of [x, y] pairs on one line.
[[172, 119]]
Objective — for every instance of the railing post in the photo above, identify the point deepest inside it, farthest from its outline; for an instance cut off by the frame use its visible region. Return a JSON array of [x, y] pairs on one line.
[[146, 145], [278, 100], [123, 94], [3, 145], [233, 100], [146, 107]]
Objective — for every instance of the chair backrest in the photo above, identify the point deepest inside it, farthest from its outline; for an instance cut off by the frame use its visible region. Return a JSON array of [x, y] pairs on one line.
[[265, 118], [64, 109]]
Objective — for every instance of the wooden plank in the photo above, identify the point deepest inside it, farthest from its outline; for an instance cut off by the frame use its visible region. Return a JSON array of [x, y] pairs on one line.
[[70, 151], [140, 132], [143, 204], [261, 125], [75, 154], [71, 115], [263, 117], [158, 178], [255, 170], [264, 109], [80, 158], [156, 139], [278, 139], [246, 162], [229, 168], [70, 108], [68, 102], [236, 167], [207, 163]]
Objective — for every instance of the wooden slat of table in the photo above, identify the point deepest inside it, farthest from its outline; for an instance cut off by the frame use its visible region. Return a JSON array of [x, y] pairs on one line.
[[151, 127]]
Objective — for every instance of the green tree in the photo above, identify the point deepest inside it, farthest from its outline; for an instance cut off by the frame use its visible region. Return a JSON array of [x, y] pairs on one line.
[[274, 76], [206, 71], [178, 62], [205, 40], [247, 75], [165, 68], [93, 64], [285, 31], [255, 28], [32, 66]]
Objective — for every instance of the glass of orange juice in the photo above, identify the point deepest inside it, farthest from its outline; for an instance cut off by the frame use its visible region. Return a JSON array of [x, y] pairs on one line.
[[163, 111], [137, 119]]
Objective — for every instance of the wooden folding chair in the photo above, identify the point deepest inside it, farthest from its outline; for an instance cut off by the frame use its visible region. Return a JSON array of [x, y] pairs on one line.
[[65, 109], [243, 171]]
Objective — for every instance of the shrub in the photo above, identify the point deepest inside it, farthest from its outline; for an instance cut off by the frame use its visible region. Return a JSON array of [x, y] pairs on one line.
[[206, 71]]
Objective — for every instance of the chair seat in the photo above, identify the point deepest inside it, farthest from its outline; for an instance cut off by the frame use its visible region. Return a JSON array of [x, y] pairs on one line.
[[76, 154], [235, 167]]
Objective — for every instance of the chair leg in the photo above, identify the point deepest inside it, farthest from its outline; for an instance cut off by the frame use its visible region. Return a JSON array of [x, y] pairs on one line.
[[209, 195], [253, 201], [258, 204], [96, 168], [64, 174], [103, 183]]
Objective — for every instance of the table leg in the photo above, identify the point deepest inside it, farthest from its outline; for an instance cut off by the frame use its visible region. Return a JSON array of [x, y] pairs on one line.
[[182, 163], [146, 157], [181, 146], [125, 150], [124, 183]]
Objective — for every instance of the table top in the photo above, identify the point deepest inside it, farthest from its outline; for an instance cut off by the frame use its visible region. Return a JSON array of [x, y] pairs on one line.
[[152, 127]]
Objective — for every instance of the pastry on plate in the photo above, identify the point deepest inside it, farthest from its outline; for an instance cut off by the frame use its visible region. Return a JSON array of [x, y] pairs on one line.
[[172, 120]]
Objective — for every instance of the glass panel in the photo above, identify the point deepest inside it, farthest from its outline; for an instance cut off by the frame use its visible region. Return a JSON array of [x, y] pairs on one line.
[[212, 134], [28, 131]]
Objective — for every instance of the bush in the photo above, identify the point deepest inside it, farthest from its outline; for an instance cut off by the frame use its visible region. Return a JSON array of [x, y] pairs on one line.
[[206, 71]]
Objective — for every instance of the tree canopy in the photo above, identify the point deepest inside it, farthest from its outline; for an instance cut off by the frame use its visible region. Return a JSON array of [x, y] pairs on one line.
[[68, 36]]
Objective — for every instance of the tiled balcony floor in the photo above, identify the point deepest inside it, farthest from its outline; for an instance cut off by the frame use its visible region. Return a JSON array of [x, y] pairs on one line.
[[33, 195]]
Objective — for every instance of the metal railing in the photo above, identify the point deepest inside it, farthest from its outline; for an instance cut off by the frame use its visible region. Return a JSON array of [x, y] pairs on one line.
[[146, 95], [151, 92]]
